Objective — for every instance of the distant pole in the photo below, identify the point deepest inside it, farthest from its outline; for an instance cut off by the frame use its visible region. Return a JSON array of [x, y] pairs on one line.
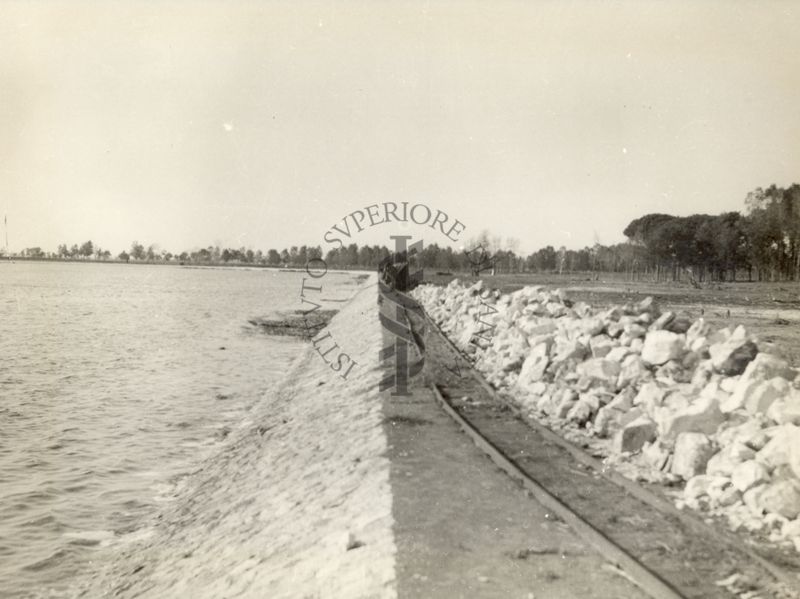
[[5, 220]]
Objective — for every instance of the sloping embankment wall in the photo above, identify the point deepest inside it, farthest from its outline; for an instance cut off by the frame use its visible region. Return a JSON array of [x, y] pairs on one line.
[[297, 505]]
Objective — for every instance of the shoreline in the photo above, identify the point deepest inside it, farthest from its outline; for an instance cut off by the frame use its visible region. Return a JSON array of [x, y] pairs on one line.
[[210, 265], [285, 509]]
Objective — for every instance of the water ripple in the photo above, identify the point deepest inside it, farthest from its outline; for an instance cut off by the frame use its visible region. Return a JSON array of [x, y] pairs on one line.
[[115, 386]]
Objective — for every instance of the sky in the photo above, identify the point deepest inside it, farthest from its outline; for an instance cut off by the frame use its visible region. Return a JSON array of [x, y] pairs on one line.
[[262, 124]]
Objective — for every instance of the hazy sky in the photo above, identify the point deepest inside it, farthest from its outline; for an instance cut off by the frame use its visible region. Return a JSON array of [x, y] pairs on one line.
[[262, 124]]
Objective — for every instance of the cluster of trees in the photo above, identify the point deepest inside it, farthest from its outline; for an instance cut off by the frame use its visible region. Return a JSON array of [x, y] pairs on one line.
[[702, 246], [763, 242], [87, 250], [296, 256]]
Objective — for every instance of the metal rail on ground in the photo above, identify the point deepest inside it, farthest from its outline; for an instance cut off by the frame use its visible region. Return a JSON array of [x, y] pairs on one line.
[[649, 582]]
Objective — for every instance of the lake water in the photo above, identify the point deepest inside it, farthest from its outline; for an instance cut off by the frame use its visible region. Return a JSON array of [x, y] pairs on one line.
[[115, 382]]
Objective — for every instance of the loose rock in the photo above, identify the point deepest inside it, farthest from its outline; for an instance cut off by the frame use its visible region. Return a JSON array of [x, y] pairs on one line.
[[662, 346], [635, 434], [692, 452], [748, 475]]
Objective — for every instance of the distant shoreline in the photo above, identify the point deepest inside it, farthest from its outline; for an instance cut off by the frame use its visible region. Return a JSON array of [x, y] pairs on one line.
[[294, 268]]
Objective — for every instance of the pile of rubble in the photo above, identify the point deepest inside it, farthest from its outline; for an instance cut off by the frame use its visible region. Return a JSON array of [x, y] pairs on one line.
[[662, 397]]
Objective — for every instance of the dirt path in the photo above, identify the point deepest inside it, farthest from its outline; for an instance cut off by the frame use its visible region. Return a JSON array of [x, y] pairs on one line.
[[465, 529]]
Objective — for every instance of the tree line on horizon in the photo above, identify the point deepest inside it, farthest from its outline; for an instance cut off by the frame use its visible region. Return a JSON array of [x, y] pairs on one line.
[[763, 243]]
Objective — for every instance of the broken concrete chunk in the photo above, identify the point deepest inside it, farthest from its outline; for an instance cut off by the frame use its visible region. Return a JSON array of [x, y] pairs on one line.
[[739, 396], [650, 396], [606, 421], [610, 417], [532, 328], [751, 499], [633, 370], [568, 349], [635, 434], [592, 326], [656, 455], [719, 490], [673, 372], [534, 366], [634, 331], [692, 452], [537, 388], [630, 416], [723, 462], [661, 347], [728, 384], [703, 374], [673, 403], [662, 321], [568, 399], [762, 396], [749, 433], [712, 389], [766, 366], [781, 497], [727, 496], [703, 416], [731, 357], [601, 371], [555, 309], [583, 410], [791, 529], [680, 324], [699, 346], [601, 346], [622, 401], [748, 475], [618, 354], [545, 404], [776, 452], [700, 328], [794, 454], [648, 304], [699, 485], [786, 410]]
